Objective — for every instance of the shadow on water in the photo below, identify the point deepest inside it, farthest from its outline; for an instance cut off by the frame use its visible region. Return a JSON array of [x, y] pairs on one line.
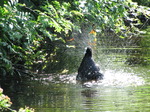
[[124, 88]]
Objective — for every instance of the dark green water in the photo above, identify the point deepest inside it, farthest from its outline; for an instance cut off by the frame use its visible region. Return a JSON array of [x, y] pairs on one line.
[[125, 88]]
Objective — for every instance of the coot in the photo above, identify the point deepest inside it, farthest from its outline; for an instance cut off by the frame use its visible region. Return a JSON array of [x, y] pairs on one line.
[[88, 70]]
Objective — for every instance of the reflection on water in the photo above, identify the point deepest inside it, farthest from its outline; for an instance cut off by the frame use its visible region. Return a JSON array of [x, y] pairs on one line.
[[123, 89], [61, 93]]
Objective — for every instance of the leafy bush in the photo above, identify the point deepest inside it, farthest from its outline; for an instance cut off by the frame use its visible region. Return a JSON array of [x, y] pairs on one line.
[[17, 35], [111, 15], [5, 104], [23, 38], [33, 36]]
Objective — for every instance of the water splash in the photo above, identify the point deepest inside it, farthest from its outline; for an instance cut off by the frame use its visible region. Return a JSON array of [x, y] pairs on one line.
[[111, 78], [121, 78]]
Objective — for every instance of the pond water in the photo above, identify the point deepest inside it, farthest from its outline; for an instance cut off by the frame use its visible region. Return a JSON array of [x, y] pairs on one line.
[[125, 88]]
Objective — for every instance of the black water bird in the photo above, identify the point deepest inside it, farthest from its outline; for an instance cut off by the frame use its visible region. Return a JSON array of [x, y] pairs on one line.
[[88, 70]]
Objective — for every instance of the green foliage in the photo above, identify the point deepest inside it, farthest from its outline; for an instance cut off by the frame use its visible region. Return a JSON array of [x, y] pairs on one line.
[[32, 36], [26, 109], [53, 17], [17, 34], [104, 12], [23, 38], [5, 104], [114, 15]]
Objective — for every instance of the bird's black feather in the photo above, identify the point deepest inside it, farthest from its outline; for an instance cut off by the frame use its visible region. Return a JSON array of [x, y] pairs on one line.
[[88, 69]]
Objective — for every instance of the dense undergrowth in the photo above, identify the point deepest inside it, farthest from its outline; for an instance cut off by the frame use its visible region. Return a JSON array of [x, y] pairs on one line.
[[32, 33]]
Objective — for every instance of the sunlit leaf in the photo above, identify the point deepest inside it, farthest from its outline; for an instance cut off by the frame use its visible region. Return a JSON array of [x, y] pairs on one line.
[[93, 32], [71, 46]]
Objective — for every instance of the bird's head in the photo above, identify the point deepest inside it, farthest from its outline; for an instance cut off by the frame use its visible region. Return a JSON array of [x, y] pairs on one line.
[[88, 52]]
